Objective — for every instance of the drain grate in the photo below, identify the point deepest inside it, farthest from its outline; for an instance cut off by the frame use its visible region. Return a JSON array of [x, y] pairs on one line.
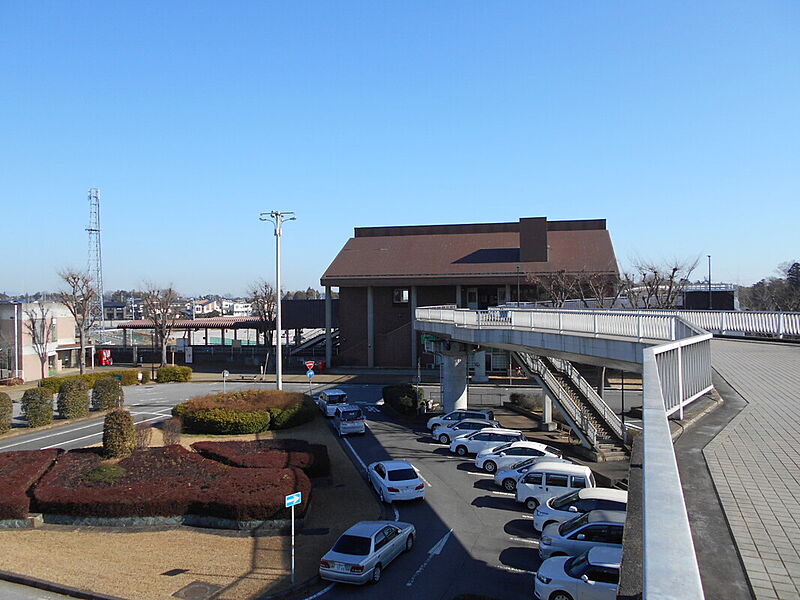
[[197, 590]]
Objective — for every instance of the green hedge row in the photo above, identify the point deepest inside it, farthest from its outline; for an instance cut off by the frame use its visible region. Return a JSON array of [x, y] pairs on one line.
[[404, 398], [6, 412], [300, 413], [73, 399], [169, 373], [37, 407], [224, 421], [129, 377]]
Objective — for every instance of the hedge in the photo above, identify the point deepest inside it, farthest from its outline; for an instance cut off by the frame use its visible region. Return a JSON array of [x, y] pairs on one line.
[[311, 458], [169, 373], [6, 412], [247, 411], [129, 377], [73, 399], [37, 407], [119, 435], [107, 394], [168, 481], [404, 398], [19, 471]]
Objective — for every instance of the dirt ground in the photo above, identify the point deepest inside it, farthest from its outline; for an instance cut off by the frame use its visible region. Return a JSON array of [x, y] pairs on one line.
[[132, 564]]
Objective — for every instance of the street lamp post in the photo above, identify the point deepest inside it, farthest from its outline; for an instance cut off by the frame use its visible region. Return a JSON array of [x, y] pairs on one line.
[[709, 281], [518, 298], [278, 218]]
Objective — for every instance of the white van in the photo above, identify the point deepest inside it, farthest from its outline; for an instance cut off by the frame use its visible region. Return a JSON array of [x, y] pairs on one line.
[[550, 479], [347, 419], [328, 400]]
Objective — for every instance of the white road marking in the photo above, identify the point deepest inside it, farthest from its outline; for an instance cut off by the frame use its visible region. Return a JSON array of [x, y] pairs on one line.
[[513, 570], [353, 450], [44, 437], [502, 493], [526, 541], [86, 437], [434, 551], [421, 476], [480, 474]]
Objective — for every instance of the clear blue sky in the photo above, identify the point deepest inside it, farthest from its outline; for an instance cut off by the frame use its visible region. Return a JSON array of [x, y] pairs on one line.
[[679, 122]]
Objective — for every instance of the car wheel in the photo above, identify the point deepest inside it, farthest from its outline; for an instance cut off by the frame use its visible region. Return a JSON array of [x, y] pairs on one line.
[[489, 466], [509, 485], [560, 595], [444, 438], [531, 503], [461, 450], [376, 573], [409, 542]]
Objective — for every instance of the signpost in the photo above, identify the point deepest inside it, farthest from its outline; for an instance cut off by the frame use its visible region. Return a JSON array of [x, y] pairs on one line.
[[225, 374], [310, 373], [293, 500], [310, 364]]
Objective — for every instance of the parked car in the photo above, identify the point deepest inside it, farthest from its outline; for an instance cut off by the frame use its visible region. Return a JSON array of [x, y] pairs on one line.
[[395, 480], [328, 400], [492, 459], [454, 416], [363, 551], [447, 433], [595, 528], [563, 508], [348, 418], [489, 437], [507, 478], [549, 479], [593, 575]]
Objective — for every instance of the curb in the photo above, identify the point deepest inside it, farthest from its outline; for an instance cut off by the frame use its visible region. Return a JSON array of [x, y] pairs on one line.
[[48, 586]]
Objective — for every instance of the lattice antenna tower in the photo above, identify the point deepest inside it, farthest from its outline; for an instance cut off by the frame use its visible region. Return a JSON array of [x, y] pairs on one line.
[[95, 266]]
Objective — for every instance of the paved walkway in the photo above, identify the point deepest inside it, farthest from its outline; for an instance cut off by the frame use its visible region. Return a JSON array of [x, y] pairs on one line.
[[755, 462]]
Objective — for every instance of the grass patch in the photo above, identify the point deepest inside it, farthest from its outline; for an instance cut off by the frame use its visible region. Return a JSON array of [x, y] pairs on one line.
[[105, 473]]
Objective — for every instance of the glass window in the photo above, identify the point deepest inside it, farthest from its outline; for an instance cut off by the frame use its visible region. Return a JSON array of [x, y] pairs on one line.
[[482, 437], [350, 415], [380, 470], [594, 533], [556, 480], [576, 566], [400, 296], [533, 478], [353, 544], [402, 475], [564, 502], [380, 540], [610, 505], [614, 535], [603, 575], [553, 451], [568, 527], [578, 482], [502, 448]]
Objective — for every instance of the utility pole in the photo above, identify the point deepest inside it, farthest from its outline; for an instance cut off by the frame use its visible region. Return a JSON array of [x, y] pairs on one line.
[[96, 262], [278, 218], [518, 297], [709, 281]]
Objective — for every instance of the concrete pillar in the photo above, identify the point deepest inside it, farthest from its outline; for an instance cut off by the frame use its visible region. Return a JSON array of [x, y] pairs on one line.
[[370, 327], [328, 326], [454, 382], [135, 355], [547, 423], [206, 336], [458, 296], [508, 293], [124, 338], [413, 305], [479, 363], [222, 336], [236, 334]]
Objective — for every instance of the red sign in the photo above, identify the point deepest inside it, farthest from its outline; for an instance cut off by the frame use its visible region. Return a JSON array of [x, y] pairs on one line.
[[309, 364]]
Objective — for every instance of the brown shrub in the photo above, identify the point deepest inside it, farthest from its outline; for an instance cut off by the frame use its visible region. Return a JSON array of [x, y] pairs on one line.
[[171, 431], [144, 433]]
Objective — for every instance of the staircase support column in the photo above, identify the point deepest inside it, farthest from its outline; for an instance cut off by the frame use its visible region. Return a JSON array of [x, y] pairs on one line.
[[547, 412], [479, 362], [454, 382]]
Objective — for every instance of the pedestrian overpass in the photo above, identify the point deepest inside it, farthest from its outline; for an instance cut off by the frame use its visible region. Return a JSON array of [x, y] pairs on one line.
[[671, 350]]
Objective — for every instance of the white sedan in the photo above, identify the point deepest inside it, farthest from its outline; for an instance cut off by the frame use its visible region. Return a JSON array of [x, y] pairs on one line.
[[396, 480], [492, 459], [490, 437], [593, 575], [507, 478], [448, 432]]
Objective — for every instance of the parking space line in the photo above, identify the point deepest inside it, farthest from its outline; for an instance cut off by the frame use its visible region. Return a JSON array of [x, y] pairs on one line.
[[497, 493], [526, 541], [353, 451], [513, 570], [480, 474], [421, 476]]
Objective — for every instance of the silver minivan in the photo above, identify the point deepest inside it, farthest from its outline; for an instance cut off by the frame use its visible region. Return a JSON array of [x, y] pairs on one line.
[[347, 419], [549, 479], [328, 400]]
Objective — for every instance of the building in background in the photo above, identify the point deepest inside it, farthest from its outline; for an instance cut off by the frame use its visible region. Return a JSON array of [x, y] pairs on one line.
[[384, 273]]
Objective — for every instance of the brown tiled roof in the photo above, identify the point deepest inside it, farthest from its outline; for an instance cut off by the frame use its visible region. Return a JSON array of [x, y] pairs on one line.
[[488, 253]]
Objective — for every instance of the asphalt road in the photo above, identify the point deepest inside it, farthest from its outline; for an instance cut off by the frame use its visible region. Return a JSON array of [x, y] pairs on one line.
[[471, 536]]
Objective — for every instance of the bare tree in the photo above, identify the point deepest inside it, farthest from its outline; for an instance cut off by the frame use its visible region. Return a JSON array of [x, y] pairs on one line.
[[160, 306], [79, 298], [559, 285], [655, 285], [39, 323], [261, 295]]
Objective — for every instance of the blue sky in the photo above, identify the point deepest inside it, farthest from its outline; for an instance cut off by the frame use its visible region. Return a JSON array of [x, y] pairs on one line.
[[676, 121]]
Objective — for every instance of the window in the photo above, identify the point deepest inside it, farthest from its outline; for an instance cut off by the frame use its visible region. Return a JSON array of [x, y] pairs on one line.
[[402, 474], [594, 533], [533, 478], [603, 575], [380, 540], [614, 534], [352, 544], [482, 437], [380, 470], [556, 480], [400, 296], [578, 482]]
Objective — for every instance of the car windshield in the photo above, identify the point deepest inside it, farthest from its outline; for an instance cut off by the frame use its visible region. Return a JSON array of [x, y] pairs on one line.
[[568, 527], [553, 451], [524, 463], [564, 501], [499, 449], [352, 544], [351, 415], [337, 399], [576, 566], [402, 475]]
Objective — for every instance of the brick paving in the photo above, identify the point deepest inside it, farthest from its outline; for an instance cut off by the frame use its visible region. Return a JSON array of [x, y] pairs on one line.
[[755, 462]]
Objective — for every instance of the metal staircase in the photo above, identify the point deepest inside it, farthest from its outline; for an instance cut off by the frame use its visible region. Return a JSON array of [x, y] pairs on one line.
[[589, 416]]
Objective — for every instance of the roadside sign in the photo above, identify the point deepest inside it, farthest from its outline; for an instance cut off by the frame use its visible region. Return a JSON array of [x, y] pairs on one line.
[[225, 373], [310, 374], [294, 499], [309, 364]]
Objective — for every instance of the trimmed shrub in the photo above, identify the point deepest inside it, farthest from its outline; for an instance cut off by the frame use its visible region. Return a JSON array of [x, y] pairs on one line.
[[169, 373], [73, 399], [145, 376], [129, 377], [37, 407], [226, 421], [119, 435], [300, 413], [311, 458], [144, 434], [107, 394], [171, 431], [19, 471], [6, 412], [404, 398]]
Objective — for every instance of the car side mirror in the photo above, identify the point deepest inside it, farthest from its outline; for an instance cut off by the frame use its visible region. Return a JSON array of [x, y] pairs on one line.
[[585, 579], [581, 536], [573, 509]]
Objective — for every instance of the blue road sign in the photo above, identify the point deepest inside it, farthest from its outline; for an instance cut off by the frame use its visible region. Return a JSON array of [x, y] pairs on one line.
[[293, 499], [310, 373]]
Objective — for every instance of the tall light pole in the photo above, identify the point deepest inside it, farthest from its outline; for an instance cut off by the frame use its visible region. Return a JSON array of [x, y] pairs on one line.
[[518, 298], [278, 218], [709, 281]]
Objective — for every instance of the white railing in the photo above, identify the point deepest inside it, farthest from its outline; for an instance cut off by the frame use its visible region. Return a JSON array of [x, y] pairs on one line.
[[608, 416]]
